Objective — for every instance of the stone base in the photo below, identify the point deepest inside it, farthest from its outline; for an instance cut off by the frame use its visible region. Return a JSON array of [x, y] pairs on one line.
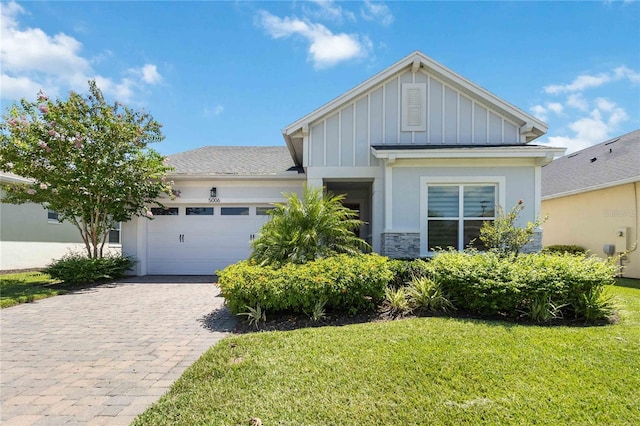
[[535, 245], [401, 245]]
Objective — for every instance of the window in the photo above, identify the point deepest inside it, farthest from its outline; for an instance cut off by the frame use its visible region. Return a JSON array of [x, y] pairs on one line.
[[171, 211], [52, 216], [455, 214], [263, 211], [114, 234], [199, 211], [234, 211]]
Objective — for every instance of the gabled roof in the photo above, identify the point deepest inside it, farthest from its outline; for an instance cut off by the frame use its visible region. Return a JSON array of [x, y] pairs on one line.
[[532, 126], [610, 163], [260, 161]]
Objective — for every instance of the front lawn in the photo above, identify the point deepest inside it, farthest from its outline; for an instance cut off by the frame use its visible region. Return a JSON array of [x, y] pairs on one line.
[[26, 287], [417, 371]]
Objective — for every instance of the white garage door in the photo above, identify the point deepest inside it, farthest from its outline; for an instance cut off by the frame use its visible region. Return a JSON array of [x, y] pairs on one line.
[[200, 240]]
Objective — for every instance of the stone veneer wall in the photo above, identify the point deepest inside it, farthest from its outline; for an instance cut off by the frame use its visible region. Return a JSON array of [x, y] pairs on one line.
[[535, 245], [401, 245], [406, 245]]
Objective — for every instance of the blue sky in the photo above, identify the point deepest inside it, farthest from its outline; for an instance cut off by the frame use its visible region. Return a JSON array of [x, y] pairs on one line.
[[236, 73]]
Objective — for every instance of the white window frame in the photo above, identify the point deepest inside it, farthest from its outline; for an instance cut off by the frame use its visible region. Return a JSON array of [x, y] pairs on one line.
[[426, 181]]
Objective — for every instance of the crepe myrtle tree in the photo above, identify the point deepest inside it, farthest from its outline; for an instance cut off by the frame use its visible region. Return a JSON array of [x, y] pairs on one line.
[[86, 159]]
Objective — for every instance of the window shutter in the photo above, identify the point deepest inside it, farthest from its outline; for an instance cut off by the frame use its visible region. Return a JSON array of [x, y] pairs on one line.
[[414, 107]]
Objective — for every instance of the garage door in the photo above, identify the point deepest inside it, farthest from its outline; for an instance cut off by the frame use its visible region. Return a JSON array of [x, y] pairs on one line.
[[200, 240]]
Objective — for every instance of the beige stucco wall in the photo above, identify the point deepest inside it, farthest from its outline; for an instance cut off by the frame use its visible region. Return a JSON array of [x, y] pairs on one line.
[[593, 219]]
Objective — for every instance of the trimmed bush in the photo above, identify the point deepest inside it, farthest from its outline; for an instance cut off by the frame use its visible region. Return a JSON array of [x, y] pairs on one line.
[[484, 283], [347, 283], [78, 269], [404, 271], [564, 248]]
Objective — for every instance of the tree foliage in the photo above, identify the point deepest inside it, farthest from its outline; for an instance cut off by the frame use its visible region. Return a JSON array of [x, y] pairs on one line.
[[85, 158], [503, 237], [304, 229]]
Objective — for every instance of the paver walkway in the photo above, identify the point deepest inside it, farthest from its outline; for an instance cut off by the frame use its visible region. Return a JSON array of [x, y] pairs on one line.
[[103, 355]]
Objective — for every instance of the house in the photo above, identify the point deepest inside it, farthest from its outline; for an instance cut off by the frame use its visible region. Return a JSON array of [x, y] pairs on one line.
[[30, 235], [422, 153], [592, 198]]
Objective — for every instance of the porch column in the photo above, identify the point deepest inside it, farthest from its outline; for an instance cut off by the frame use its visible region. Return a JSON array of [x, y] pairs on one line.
[[377, 213]]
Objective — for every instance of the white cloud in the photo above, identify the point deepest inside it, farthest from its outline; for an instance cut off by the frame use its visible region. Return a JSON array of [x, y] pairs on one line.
[[623, 72], [328, 10], [601, 124], [555, 107], [150, 74], [32, 60], [586, 81], [212, 112], [326, 49], [377, 12], [577, 101], [16, 87], [588, 119], [542, 111]]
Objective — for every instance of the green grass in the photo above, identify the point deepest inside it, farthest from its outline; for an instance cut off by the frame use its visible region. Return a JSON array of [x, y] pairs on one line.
[[435, 371], [26, 287], [628, 282]]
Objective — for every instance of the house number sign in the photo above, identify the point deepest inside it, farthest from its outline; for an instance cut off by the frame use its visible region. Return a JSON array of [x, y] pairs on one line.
[[214, 199]]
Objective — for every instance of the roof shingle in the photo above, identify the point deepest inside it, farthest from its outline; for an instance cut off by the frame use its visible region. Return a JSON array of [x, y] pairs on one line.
[[234, 161], [615, 160]]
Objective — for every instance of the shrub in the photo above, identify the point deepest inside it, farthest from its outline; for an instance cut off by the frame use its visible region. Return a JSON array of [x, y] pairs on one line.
[[78, 269], [404, 271], [503, 237], [564, 248], [348, 283], [304, 229], [426, 295], [543, 286], [396, 303]]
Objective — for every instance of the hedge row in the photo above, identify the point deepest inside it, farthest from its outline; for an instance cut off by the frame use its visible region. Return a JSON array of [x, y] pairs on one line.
[[541, 286], [347, 283], [487, 284]]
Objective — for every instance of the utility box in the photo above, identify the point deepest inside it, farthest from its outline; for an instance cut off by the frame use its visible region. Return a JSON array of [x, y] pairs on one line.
[[609, 249], [623, 239]]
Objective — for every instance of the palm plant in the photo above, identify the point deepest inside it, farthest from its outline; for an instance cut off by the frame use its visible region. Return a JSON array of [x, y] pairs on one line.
[[303, 229]]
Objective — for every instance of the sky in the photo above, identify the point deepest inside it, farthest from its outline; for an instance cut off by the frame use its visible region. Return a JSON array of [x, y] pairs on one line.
[[237, 73]]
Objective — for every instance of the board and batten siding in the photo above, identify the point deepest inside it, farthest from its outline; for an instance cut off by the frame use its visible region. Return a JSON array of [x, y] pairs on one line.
[[344, 137]]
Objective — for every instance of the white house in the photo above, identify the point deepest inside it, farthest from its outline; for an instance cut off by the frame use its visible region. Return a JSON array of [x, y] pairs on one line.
[[424, 154], [30, 235]]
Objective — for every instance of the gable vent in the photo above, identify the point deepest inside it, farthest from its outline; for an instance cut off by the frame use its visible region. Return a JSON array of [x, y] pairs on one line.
[[414, 105]]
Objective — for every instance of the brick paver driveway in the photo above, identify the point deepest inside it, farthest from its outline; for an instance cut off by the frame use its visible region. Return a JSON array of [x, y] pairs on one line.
[[103, 355]]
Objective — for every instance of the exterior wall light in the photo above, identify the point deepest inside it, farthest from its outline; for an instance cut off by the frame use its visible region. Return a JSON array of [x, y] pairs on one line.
[[213, 192]]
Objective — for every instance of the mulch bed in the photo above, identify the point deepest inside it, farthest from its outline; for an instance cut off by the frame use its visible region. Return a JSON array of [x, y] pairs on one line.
[[291, 321]]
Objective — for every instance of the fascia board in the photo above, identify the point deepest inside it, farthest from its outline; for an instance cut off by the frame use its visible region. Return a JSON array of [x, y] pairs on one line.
[[11, 178], [520, 152]]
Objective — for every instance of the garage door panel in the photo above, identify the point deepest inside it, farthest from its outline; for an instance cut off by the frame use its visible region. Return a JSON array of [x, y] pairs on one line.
[[209, 243]]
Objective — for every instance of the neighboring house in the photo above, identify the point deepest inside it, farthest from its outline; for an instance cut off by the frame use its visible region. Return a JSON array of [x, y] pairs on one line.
[[592, 198], [422, 153], [30, 235]]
